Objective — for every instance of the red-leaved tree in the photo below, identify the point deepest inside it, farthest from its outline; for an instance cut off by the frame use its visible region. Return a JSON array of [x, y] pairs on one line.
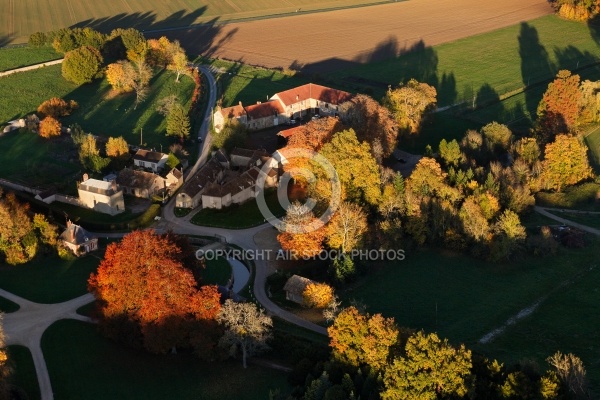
[[147, 297]]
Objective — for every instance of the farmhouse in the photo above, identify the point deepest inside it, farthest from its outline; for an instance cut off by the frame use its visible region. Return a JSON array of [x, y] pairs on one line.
[[101, 196], [147, 184], [284, 106], [190, 195], [222, 115], [294, 288], [152, 160], [78, 240]]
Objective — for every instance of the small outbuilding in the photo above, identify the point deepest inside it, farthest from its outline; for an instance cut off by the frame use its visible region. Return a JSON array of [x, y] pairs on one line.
[[78, 240], [294, 288]]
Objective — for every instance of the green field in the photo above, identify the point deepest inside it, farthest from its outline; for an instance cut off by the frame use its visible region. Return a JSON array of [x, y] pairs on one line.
[[593, 142], [11, 58], [24, 375], [81, 361], [592, 220], [49, 279], [580, 197], [21, 18], [464, 298], [216, 272], [99, 111], [489, 64]]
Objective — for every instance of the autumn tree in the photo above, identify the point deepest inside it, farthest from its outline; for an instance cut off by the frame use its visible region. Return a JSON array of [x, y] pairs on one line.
[[371, 121], [409, 103], [82, 65], [178, 123], [571, 372], [589, 102], [559, 108], [4, 367], [301, 234], [317, 295], [20, 236], [89, 155], [177, 59], [121, 76], [497, 137], [347, 227], [565, 163], [475, 224], [355, 166], [360, 339], [430, 368], [141, 81], [314, 134], [450, 152], [527, 149], [116, 147], [146, 296], [57, 107], [509, 236], [49, 127], [247, 328]]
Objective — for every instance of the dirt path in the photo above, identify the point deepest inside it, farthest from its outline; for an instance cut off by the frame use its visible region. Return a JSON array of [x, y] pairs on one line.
[[330, 40]]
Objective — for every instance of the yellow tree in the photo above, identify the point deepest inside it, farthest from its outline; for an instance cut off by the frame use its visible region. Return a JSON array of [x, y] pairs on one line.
[[356, 168], [4, 368], [430, 369], [409, 103], [177, 59], [116, 147], [49, 127], [565, 163], [121, 76], [317, 295], [57, 107], [347, 227], [360, 339]]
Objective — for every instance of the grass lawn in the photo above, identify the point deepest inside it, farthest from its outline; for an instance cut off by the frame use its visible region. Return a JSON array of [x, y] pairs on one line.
[[238, 216], [35, 161], [7, 306], [248, 84], [11, 58], [580, 197], [49, 279], [593, 142], [27, 17], [536, 220], [592, 220], [100, 112], [81, 361], [523, 54], [566, 321], [217, 272], [463, 299], [24, 375]]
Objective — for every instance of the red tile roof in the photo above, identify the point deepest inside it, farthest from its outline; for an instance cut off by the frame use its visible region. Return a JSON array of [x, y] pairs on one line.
[[314, 91], [262, 110], [289, 132], [233, 112]]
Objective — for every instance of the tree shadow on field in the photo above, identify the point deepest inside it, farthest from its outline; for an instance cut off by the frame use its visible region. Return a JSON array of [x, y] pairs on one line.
[[535, 62], [4, 40], [181, 25]]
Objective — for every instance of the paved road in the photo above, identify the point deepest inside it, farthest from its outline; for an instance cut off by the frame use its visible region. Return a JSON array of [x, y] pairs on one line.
[[585, 228], [30, 67], [27, 325]]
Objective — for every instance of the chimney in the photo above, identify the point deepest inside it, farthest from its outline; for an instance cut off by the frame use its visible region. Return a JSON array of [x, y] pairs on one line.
[[240, 103], [68, 223], [113, 185], [72, 233], [86, 177]]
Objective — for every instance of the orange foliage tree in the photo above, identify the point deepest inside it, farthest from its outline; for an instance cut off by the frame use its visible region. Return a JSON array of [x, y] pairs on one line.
[[314, 134], [299, 236], [317, 295], [49, 127], [559, 108], [146, 296], [57, 107], [357, 339]]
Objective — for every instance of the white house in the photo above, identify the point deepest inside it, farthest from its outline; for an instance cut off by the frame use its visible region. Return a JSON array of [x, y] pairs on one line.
[[101, 196], [222, 115], [153, 160]]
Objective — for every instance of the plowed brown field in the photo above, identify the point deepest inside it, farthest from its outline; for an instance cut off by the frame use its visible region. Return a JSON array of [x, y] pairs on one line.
[[329, 40]]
